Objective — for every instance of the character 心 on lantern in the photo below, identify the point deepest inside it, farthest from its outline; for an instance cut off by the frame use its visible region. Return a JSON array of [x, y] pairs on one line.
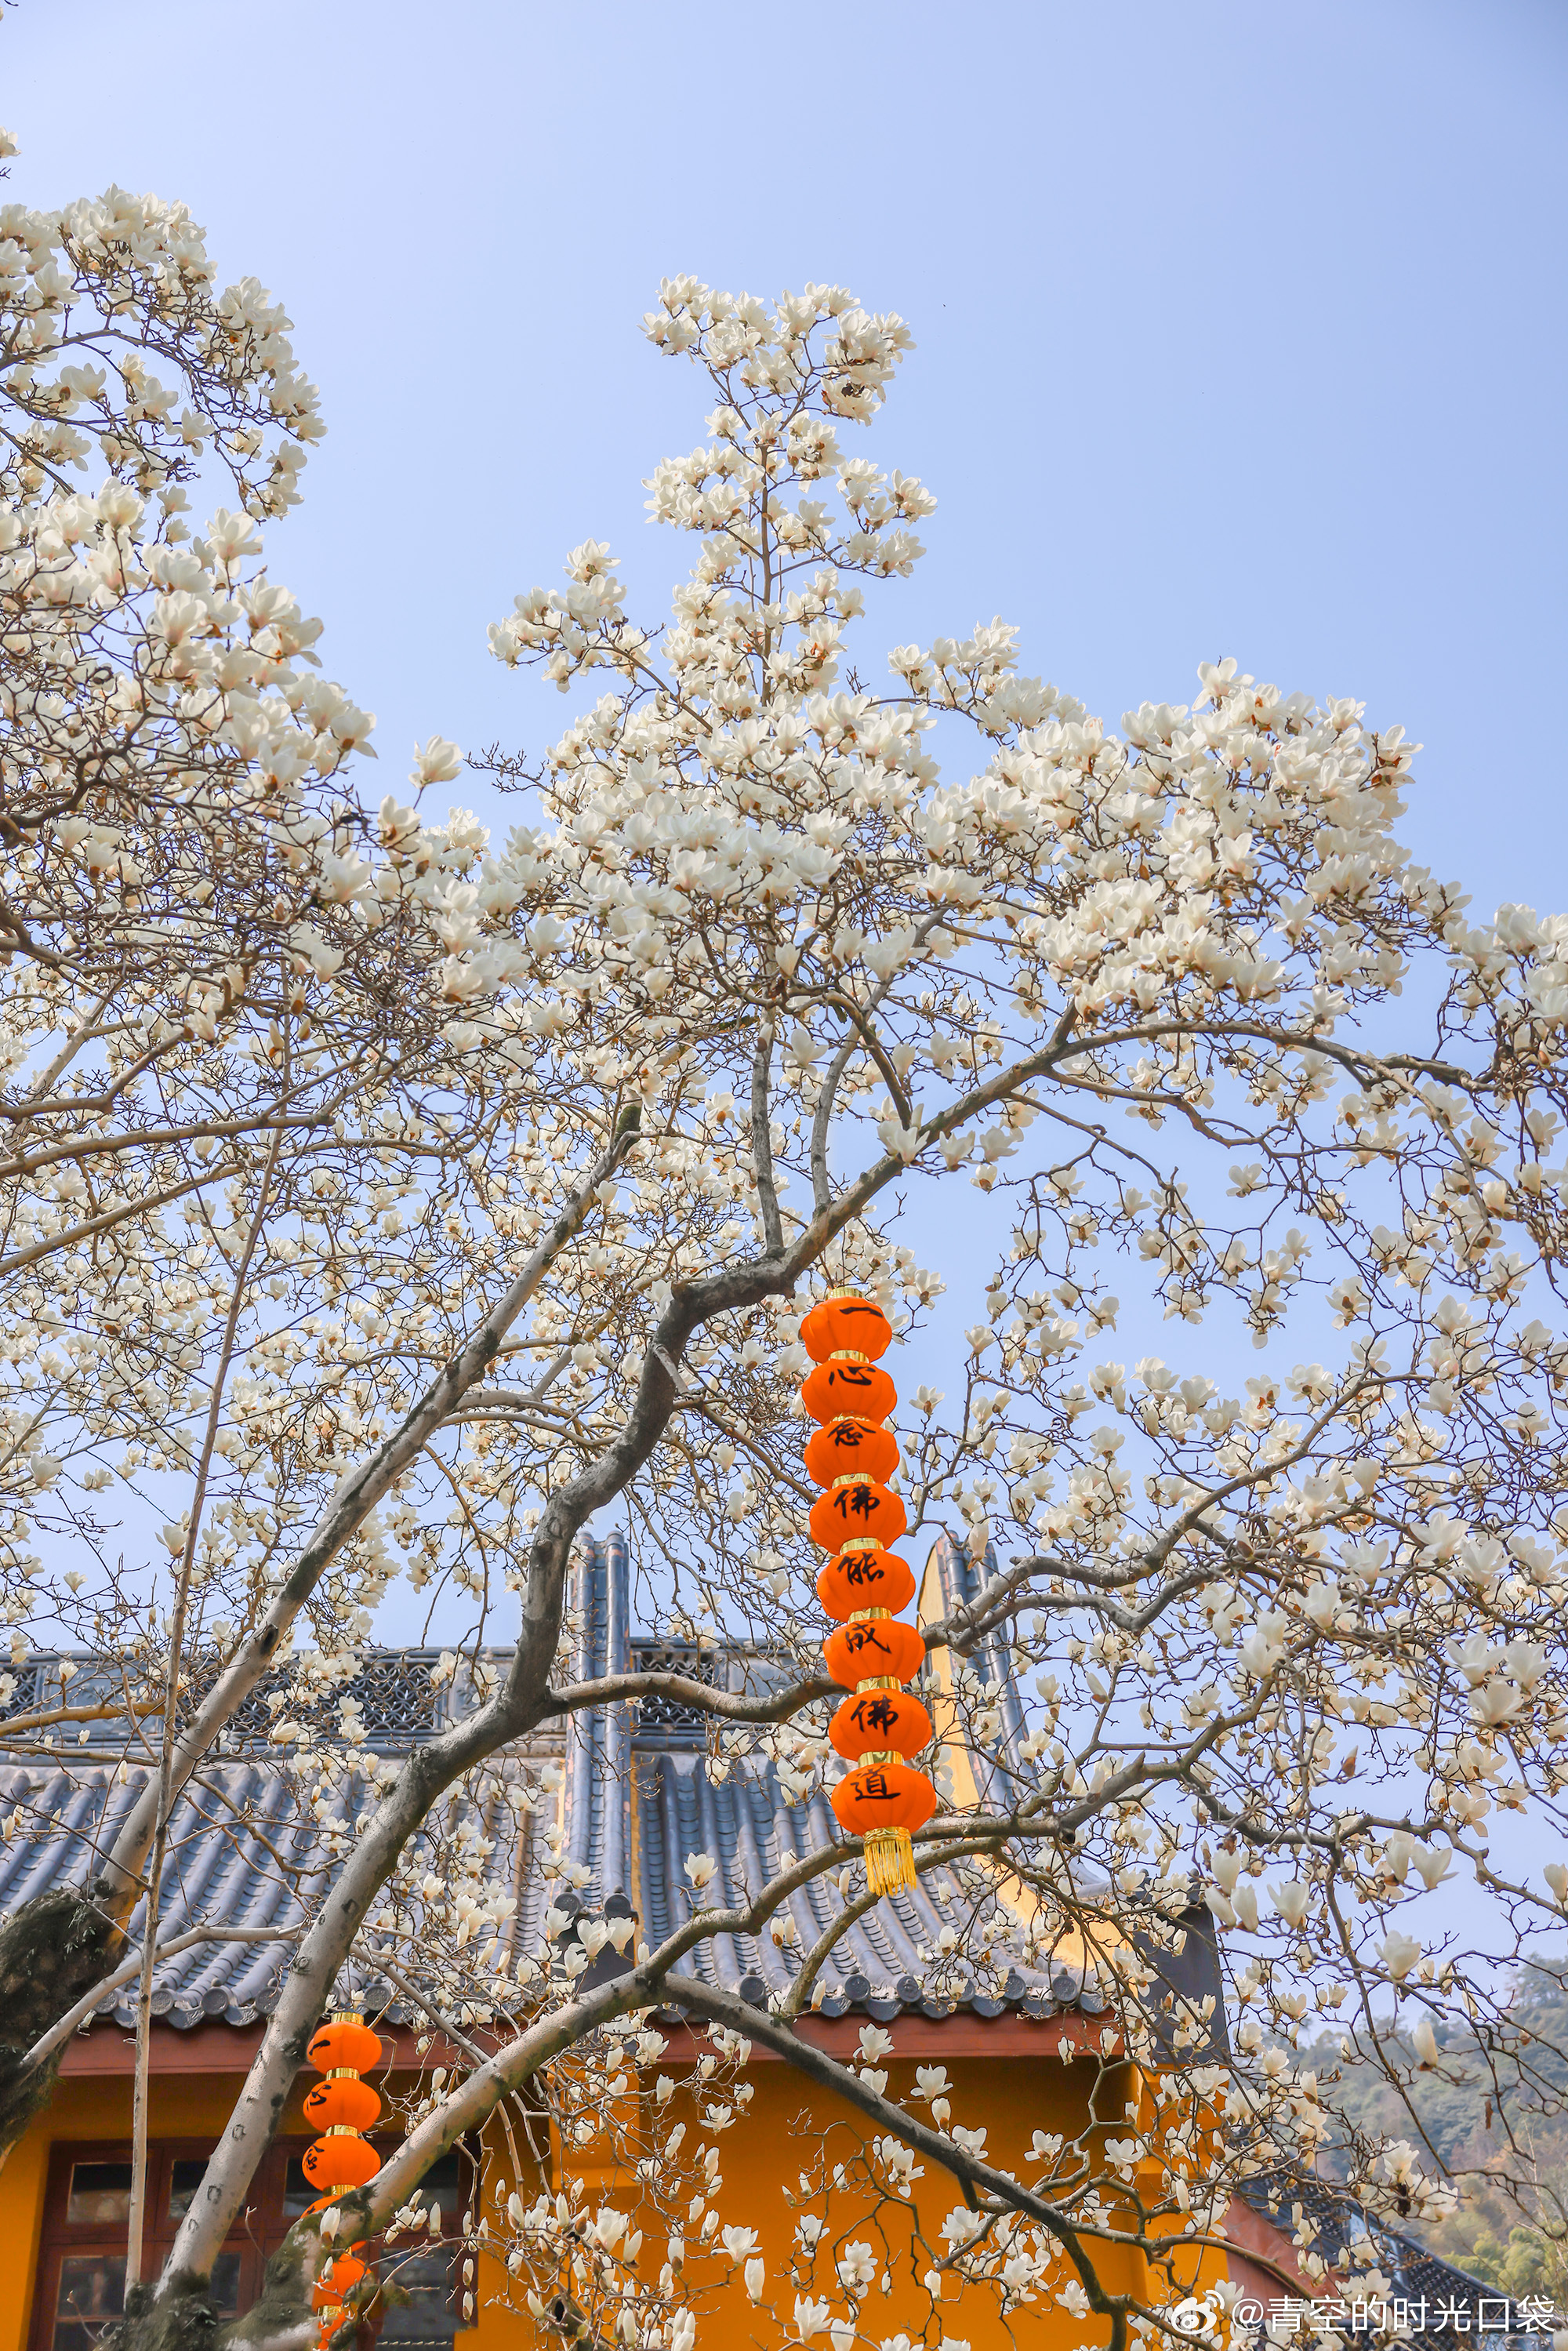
[[880, 1724]]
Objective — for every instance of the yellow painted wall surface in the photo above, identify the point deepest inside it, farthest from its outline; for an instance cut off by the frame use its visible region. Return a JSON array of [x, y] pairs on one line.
[[780, 2136]]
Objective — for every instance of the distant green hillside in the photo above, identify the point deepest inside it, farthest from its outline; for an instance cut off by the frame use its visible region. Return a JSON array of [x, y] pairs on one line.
[[1493, 2113]]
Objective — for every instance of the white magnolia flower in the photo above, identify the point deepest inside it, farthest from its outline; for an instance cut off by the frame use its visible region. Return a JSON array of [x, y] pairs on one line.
[[1399, 1953]]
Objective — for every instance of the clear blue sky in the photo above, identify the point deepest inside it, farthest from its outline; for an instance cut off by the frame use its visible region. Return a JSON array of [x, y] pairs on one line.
[[1240, 327]]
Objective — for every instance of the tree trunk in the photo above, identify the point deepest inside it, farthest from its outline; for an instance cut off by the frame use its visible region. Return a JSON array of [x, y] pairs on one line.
[[52, 1950]]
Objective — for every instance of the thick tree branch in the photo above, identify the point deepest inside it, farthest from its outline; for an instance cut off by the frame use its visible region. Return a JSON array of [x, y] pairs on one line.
[[119, 1881]]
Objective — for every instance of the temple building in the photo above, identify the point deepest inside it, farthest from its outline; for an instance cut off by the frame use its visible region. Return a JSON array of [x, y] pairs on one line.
[[1022, 2048]]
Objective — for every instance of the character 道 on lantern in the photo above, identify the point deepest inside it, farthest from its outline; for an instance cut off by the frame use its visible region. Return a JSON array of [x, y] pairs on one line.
[[881, 1724]]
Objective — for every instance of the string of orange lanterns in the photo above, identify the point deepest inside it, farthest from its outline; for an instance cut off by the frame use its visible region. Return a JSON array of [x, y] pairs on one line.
[[880, 1725], [342, 2108]]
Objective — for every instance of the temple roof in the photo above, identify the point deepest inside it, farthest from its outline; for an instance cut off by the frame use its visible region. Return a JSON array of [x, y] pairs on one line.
[[638, 1795], [1352, 2240]]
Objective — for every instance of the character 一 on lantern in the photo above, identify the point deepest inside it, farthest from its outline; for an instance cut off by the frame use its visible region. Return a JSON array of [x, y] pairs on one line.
[[342, 2108], [880, 1725]]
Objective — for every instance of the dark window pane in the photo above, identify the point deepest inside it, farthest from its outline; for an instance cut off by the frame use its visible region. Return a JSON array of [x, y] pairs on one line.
[[99, 2196], [427, 2319], [92, 2292], [449, 2183], [444, 2179], [226, 2284], [297, 2194], [184, 2178]]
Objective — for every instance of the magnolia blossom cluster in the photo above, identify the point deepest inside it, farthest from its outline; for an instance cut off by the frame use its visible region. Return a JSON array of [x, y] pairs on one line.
[[77, 386]]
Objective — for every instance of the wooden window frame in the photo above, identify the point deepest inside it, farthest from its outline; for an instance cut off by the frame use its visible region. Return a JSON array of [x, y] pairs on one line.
[[256, 2236]]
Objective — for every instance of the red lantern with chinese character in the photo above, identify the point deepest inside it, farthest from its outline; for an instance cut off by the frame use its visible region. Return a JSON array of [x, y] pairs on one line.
[[879, 1720], [342, 2159], [342, 2099], [846, 1320], [849, 1386], [845, 1444], [864, 1576], [344, 2046], [854, 1507], [872, 1646], [884, 1803]]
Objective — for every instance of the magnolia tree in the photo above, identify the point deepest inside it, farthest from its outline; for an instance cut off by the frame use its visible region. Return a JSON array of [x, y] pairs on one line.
[[382, 1200]]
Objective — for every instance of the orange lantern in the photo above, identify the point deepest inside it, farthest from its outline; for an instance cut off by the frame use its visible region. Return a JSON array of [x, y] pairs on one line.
[[883, 1802], [864, 1576], [341, 2159], [343, 2099], [339, 2278], [845, 1318], [855, 1506], [875, 1645], [344, 2046], [847, 1385], [881, 1723], [845, 1444], [883, 1796], [341, 2107]]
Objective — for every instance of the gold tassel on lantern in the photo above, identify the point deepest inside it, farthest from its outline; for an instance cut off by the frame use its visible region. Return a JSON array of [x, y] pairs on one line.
[[889, 1861]]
